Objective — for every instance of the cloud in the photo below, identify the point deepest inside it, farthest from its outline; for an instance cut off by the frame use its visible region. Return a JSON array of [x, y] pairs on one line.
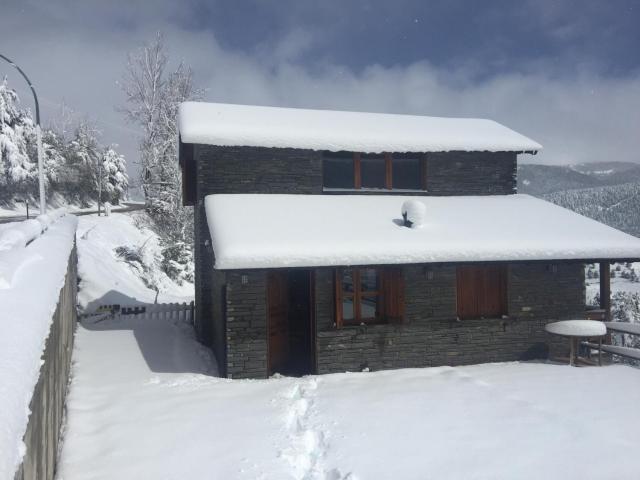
[[584, 117], [579, 114]]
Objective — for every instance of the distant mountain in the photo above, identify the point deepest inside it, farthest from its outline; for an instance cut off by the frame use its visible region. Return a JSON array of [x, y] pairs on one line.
[[538, 180]]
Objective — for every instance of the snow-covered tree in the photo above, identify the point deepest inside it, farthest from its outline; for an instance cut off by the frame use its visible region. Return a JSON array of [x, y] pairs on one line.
[[153, 96], [84, 155], [54, 161], [115, 180], [72, 157], [17, 170]]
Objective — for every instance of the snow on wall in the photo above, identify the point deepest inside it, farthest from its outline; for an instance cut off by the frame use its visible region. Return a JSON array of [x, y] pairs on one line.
[[27, 305], [271, 231], [256, 126], [19, 234]]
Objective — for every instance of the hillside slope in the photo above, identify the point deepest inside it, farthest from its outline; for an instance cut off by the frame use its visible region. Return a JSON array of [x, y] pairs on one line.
[[617, 205], [119, 263], [542, 179]]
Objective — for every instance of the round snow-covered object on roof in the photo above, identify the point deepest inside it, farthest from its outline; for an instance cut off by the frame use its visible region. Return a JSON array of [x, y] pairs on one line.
[[414, 213]]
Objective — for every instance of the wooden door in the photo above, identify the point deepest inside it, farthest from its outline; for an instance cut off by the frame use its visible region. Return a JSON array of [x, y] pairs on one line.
[[277, 301]]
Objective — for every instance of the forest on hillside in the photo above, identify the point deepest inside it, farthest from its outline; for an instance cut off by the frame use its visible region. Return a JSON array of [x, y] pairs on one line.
[[616, 205]]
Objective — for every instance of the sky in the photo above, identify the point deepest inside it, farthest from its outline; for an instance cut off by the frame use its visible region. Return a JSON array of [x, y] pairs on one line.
[[565, 73]]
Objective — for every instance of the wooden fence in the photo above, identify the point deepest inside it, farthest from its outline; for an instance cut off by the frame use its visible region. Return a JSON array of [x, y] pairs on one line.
[[165, 311]]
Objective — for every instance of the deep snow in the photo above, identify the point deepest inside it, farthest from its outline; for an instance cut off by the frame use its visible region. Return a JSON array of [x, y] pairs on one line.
[[258, 126], [142, 405], [30, 281], [267, 231], [618, 284], [106, 279]]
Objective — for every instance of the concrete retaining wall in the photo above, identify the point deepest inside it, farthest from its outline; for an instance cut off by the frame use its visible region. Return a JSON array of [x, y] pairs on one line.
[[47, 404]]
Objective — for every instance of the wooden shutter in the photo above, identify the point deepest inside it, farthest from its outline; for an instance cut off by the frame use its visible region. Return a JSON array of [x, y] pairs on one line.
[[481, 291], [337, 282], [493, 297], [393, 294], [466, 291]]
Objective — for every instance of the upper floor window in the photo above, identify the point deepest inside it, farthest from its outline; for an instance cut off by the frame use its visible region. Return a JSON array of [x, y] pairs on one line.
[[360, 171]]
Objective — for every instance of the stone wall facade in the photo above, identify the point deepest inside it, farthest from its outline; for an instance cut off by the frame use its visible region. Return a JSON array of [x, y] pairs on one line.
[[471, 173], [246, 324], [47, 404], [431, 334], [239, 170], [220, 299]]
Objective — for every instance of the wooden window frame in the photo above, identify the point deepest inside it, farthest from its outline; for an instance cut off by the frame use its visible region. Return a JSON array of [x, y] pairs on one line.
[[389, 310], [388, 167]]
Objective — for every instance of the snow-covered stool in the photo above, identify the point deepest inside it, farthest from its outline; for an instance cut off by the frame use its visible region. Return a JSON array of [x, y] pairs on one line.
[[575, 330]]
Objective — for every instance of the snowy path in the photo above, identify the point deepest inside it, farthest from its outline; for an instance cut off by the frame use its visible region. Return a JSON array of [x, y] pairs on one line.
[[144, 405]]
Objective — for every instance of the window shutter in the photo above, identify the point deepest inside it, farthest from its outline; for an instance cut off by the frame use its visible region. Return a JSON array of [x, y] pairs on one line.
[[481, 291], [393, 294], [338, 296]]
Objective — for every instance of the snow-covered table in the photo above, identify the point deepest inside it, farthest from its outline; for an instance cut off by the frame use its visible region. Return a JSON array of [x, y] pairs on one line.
[[575, 330]]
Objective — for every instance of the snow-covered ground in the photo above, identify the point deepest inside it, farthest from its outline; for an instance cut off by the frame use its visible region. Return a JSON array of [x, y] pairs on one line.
[[144, 404], [31, 277], [54, 200], [618, 283], [106, 278]]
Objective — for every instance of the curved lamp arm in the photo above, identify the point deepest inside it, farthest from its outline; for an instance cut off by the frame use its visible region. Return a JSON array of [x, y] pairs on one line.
[[43, 206]]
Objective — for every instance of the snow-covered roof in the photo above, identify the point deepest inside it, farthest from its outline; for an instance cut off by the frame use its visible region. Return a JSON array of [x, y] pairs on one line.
[[271, 231], [256, 126]]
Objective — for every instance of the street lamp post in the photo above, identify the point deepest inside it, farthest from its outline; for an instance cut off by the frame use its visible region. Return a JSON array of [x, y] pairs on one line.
[[43, 205], [99, 184]]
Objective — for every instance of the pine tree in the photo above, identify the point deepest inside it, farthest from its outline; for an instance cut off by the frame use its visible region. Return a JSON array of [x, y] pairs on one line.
[[17, 170], [115, 180]]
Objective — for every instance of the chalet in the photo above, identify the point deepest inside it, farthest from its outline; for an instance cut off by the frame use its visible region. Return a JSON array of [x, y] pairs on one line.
[[337, 241]]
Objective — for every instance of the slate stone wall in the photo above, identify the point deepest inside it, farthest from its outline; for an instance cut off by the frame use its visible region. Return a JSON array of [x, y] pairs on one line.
[[282, 170], [42, 437], [257, 170], [218, 319], [431, 334], [246, 326], [239, 170], [471, 173]]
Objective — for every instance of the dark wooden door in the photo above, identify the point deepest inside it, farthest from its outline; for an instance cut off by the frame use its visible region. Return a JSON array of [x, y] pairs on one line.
[[277, 300], [481, 291]]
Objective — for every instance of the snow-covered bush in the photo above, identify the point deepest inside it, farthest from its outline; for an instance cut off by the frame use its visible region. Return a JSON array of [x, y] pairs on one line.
[[134, 256], [177, 262], [115, 181]]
